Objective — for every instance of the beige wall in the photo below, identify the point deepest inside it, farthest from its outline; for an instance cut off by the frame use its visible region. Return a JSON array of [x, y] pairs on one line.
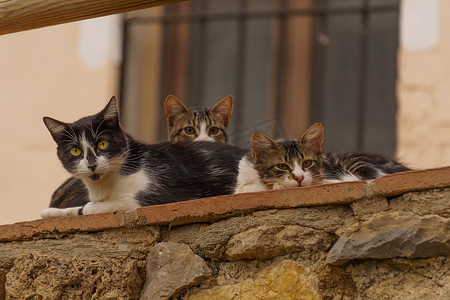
[[424, 84], [45, 72]]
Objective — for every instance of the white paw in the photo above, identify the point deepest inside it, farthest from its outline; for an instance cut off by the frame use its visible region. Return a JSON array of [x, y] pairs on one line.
[[49, 212], [58, 212]]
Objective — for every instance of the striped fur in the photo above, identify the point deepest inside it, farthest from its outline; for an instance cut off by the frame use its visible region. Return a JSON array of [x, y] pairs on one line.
[[198, 124], [281, 164]]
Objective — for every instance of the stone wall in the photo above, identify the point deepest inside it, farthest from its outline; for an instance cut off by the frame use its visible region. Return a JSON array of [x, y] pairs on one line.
[[382, 239]]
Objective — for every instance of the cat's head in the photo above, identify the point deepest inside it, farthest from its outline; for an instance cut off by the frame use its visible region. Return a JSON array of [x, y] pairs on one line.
[[201, 124], [91, 147], [289, 163]]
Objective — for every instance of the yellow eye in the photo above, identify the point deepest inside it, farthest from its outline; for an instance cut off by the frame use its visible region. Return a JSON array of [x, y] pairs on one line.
[[102, 145], [307, 163], [75, 151], [189, 130], [214, 130], [283, 167]]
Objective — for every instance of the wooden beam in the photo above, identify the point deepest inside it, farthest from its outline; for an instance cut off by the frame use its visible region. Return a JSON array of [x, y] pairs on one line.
[[20, 15]]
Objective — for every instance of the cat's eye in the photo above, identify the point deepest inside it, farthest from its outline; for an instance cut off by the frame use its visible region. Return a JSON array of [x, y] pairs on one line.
[[307, 163], [75, 151], [189, 130], [283, 167], [214, 130], [102, 145]]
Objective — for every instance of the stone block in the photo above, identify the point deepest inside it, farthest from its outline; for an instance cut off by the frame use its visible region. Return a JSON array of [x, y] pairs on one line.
[[266, 241], [286, 280], [171, 268], [435, 202], [45, 277], [210, 240], [369, 206], [393, 235]]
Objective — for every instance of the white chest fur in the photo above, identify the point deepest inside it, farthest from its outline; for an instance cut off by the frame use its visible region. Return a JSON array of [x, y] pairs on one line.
[[115, 192], [248, 179]]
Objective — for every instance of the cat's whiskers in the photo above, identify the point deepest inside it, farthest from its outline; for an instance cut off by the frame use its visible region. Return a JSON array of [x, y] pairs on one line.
[[95, 135], [72, 133], [69, 141], [70, 136], [89, 127]]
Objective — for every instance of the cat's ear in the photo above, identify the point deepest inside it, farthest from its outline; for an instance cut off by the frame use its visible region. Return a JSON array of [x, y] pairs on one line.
[[111, 111], [55, 127], [173, 107], [262, 145], [313, 138], [224, 108]]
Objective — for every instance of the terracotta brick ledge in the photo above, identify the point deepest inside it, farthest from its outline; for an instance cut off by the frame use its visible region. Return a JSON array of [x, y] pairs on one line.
[[208, 209]]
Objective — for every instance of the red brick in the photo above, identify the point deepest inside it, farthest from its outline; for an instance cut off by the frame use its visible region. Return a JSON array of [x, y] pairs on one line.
[[26, 230], [396, 184], [210, 208]]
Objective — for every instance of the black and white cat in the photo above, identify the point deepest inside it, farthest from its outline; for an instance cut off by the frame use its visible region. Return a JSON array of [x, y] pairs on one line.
[[121, 173], [273, 165], [183, 124]]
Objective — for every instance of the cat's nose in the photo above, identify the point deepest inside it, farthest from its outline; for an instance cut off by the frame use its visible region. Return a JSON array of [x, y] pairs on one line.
[[299, 179], [92, 167]]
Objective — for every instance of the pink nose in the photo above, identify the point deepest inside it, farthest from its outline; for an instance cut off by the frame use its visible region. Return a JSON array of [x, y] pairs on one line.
[[299, 179]]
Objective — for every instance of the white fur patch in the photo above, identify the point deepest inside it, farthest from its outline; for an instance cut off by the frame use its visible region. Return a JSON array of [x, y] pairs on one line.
[[82, 167], [115, 192], [109, 193], [342, 178], [203, 136], [248, 179], [53, 212]]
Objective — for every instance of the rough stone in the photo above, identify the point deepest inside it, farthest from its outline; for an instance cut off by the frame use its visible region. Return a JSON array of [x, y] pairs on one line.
[[2, 284], [393, 235], [43, 277], [266, 241], [365, 207], [286, 280], [431, 202], [335, 283], [209, 240], [172, 267], [115, 243], [401, 278]]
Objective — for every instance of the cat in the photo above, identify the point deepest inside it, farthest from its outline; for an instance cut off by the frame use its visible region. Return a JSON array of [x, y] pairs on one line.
[[273, 165], [352, 166], [183, 124], [121, 173], [198, 124]]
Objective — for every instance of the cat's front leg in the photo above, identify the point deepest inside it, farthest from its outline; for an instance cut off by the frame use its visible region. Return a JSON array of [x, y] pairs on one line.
[[53, 212], [250, 188], [109, 206]]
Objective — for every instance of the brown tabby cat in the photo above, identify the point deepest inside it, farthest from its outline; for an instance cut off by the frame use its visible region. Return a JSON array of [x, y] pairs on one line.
[[183, 124], [273, 165], [291, 163], [198, 124]]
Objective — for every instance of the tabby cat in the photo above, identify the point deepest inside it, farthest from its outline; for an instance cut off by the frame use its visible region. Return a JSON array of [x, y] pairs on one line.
[[275, 165], [183, 124], [198, 124], [121, 173]]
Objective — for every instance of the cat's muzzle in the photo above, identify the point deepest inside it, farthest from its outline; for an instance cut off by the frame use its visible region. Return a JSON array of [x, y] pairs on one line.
[[95, 177]]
